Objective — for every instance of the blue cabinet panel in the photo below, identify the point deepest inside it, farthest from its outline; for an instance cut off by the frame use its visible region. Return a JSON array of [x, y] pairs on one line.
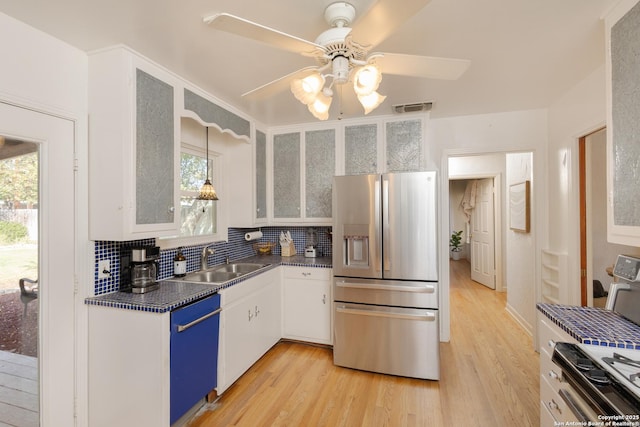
[[194, 353]]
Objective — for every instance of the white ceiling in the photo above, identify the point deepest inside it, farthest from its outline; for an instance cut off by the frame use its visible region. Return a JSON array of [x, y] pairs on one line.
[[524, 53]]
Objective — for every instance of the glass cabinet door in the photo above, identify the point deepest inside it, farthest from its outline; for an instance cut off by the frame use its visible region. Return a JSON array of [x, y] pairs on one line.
[[320, 160], [403, 145], [286, 175], [155, 163], [361, 149], [261, 175]]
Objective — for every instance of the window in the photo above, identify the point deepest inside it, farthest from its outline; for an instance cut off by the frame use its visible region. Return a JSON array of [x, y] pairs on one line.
[[197, 217]]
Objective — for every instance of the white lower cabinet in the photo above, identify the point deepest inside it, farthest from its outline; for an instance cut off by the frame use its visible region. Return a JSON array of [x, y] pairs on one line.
[[552, 406], [128, 368], [249, 325], [306, 297]]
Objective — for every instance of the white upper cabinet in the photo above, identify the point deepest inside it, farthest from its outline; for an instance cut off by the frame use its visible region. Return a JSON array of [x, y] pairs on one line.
[[260, 154], [623, 127], [383, 146], [303, 170], [133, 148], [403, 144]]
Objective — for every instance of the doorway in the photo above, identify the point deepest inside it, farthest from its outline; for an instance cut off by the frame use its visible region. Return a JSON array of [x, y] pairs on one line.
[[597, 255], [472, 212], [50, 281]]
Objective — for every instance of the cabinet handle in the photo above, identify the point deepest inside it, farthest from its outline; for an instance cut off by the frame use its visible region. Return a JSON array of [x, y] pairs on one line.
[[554, 406], [551, 343], [553, 375], [257, 311], [250, 315], [324, 299], [172, 209], [305, 274], [195, 322]]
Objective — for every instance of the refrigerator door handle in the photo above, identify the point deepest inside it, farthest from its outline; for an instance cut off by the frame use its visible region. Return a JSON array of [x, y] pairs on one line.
[[385, 224], [377, 217], [427, 317], [377, 286]]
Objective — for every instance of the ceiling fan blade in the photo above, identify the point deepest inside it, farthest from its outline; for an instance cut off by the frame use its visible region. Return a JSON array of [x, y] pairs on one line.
[[251, 30], [430, 67], [383, 18], [279, 85]]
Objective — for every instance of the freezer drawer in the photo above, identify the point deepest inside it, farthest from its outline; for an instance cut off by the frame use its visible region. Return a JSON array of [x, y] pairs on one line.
[[388, 340], [386, 292]]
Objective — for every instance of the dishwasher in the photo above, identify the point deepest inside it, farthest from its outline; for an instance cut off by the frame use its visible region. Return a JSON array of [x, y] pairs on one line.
[[194, 353]]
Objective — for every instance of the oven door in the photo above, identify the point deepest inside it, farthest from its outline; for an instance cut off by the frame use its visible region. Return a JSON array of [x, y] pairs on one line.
[[576, 409]]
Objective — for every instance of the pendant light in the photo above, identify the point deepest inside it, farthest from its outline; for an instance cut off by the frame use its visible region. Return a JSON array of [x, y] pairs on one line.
[[207, 192]]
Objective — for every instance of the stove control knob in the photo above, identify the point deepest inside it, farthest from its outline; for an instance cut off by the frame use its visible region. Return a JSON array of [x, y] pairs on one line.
[[551, 343]]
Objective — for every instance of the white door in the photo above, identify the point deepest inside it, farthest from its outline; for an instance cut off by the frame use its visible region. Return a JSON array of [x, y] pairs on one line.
[[56, 272], [482, 236]]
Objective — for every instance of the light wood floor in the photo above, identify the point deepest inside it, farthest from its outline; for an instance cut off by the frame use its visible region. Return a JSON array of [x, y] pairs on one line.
[[489, 377]]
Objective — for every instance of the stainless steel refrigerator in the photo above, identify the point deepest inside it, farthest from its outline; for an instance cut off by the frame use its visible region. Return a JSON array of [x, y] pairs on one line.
[[385, 285]]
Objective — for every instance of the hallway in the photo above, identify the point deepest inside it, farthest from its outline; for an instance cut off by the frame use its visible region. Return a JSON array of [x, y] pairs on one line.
[[490, 376]]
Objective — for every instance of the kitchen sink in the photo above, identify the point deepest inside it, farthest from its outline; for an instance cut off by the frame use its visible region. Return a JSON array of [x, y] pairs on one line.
[[240, 267], [212, 276], [223, 273]]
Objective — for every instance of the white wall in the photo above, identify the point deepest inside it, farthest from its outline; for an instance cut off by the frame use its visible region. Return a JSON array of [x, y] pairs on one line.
[[577, 113], [520, 249], [47, 75]]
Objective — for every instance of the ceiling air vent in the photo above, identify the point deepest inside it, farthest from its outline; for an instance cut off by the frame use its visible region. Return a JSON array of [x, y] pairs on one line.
[[412, 108]]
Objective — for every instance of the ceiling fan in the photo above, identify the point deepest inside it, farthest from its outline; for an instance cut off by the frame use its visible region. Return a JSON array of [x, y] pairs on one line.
[[340, 58]]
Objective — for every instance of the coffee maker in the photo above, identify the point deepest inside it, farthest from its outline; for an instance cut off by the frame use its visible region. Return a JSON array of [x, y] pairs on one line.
[[139, 269]]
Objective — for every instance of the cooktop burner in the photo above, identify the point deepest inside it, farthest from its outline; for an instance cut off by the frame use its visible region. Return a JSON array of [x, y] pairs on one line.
[[626, 367], [608, 390]]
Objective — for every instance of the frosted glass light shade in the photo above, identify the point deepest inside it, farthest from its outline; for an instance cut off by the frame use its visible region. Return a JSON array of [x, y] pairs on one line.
[[371, 102], [320, 107], [305, 90], [367, 79]]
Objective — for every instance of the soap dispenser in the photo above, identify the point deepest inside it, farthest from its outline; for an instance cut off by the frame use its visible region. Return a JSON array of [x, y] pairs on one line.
[[179, 264]]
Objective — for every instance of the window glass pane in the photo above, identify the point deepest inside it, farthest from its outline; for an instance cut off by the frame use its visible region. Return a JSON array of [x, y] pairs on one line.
[[198, 217], [193, 172]]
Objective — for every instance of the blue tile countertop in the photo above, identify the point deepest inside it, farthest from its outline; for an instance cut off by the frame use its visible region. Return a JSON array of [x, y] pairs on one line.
[[595, 326], [174, 293]]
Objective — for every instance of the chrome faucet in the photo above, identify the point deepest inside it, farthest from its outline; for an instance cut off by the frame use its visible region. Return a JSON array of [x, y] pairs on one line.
[[206, 251]]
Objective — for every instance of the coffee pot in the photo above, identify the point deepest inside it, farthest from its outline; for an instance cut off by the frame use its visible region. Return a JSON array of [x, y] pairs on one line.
[[139, 269]]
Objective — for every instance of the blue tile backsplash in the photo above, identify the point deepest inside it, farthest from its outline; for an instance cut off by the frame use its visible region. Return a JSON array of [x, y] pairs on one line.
[[235, 248]]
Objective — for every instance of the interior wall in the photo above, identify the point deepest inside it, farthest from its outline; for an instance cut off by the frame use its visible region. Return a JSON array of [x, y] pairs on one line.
[[457, 218], [47, 75], [520, 248], [578, 112]]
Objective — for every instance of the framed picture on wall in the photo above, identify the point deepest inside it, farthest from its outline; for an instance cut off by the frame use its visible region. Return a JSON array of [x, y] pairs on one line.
[[519, 206]]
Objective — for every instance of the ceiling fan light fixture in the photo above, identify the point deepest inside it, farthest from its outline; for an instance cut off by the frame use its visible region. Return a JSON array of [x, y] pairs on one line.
[[371, 102], [367, 79], [306, 90], [320, 107]]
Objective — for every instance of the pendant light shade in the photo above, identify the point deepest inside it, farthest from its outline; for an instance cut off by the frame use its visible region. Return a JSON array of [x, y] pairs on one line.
[[207, 192]]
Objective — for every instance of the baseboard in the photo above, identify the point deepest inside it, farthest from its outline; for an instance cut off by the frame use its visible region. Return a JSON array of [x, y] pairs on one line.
[[520, 320]]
